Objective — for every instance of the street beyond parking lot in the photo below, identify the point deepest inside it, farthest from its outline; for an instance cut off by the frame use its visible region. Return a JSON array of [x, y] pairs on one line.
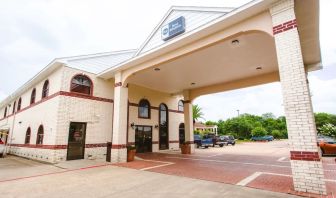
[[262, 165]]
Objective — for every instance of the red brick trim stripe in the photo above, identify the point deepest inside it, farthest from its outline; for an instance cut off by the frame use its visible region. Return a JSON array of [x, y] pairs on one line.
[[156, 108], [155, 142], [305, 156], [284, 27], [62, 93], [118, 146], [55, 147], [78, 95], [174, 141]]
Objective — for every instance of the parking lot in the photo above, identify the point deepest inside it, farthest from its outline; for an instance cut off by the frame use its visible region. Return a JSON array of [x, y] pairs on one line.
[[244, 170], [261, 165], [88, 178]]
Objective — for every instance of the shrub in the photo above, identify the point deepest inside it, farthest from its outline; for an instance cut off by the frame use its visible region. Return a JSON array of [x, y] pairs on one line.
[[328, 130], [276, 134], [258, 132]]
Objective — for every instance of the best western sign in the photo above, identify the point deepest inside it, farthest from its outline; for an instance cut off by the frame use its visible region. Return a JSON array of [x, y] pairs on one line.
[[173, 28]]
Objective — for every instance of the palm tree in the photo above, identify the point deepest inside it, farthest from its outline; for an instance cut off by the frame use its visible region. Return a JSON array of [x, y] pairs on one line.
[[197, 112]]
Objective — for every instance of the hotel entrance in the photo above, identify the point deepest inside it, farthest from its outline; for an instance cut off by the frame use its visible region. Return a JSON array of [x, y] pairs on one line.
[[76, 143], [143, 139]]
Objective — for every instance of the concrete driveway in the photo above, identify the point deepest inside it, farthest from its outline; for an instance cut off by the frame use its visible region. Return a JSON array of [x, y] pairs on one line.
[[261, 165], [84, 178]]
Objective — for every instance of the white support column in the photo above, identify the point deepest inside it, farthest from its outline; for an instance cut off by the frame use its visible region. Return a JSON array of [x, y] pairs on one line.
[[188, 121], [307, 170], [119, 151]]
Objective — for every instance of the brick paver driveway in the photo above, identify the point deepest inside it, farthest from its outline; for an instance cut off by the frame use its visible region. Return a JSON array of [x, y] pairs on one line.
[[257, 165]]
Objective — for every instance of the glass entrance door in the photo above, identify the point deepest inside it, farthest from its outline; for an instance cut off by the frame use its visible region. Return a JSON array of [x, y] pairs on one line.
[[143, 139], [163, 128], [76, 141]]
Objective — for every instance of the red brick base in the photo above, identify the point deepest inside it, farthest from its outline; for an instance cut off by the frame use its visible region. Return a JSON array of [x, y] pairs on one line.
[[305, 156]]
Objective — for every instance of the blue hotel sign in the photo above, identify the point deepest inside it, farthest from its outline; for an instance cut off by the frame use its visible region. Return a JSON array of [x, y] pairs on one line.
[[173, 28]]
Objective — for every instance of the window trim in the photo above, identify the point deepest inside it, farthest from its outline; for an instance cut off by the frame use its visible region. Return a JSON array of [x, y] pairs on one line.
[[5, 112], [91, 88], [28, 130], [149, 109], [37, 135], [14, 106], [19, 104], [45, 91], [32, 101], [178, 106]]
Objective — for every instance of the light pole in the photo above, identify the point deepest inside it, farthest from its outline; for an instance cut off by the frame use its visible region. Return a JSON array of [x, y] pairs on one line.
[[238, 112]]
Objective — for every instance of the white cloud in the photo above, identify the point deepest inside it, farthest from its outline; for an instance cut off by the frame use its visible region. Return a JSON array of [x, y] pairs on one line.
[[254, 100], [34, 33]]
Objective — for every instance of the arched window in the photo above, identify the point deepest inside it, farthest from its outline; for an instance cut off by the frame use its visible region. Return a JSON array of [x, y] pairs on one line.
[[33, 96], [163, 127], [14, 104], [180, 106], [19, 105], [81, 84], [27, 139], [40, 133], [144, 109], [45, 89], [5, 113]]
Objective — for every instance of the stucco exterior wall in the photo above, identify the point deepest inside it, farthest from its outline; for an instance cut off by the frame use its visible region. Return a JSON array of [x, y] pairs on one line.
[[42, 112], [155, 98]]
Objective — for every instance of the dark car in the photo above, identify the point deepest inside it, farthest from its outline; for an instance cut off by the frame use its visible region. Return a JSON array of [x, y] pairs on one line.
[[202, 142], [263, 138], [228, 139], [215, 140]]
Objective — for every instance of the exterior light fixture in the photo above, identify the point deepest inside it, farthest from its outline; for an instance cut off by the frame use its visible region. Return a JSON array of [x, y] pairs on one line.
[[259, 68], [157, 69], [235, 42], [156, 126], [192, 83], [132, 125]]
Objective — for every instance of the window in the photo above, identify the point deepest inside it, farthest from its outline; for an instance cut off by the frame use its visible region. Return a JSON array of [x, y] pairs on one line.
[[14, 104], [33, 96], [19, 105], [5, 113], [45, 90], [27, 139], [40, 133], [180, 106], [81, 84], [144, 109]]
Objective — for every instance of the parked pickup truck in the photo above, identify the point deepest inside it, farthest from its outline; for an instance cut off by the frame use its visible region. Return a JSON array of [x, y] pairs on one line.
[[202, 142], [215, 140]]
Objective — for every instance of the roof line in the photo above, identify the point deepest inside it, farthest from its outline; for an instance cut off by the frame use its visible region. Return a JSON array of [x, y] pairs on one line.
[[185, 8]]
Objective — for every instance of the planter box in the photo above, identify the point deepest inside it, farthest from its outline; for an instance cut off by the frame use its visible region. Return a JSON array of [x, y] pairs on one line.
[[185, 149], [130, 155]]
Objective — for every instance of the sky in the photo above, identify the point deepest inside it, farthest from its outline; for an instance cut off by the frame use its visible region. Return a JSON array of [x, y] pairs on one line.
[[35, 32]]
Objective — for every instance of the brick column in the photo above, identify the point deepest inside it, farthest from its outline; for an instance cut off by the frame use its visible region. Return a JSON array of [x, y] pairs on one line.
[[306, 164], [119, 151], [188, 121]]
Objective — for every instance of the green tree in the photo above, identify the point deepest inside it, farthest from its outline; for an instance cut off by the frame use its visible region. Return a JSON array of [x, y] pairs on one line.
[[197, 112], [328, 130], [210, 123], [258, 132], [276, 134], [324, 118], [238, 125]]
